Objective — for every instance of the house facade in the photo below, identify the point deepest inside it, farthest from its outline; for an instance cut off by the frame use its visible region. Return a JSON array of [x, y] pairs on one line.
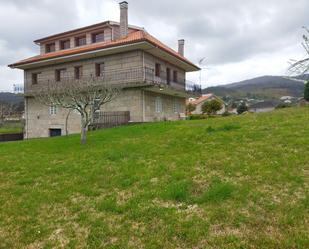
[[153, 76], [199, 101]]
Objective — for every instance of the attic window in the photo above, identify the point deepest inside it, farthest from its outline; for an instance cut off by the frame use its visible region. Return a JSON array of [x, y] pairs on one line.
[[97, 37], [80, 41], [65, 44], [50, 47]]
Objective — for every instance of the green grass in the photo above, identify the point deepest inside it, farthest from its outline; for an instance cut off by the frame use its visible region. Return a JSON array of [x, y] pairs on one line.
[[11, 128], [234, 182]]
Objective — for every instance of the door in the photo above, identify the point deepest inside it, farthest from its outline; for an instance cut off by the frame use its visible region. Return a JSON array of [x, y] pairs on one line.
[[54, 132], [168, 76]]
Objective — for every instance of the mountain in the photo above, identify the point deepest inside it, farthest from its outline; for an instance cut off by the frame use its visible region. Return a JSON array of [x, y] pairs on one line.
[[266, 87], [11, 97]]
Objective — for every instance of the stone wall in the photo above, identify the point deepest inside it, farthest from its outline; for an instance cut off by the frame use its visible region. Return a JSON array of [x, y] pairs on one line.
[[119, 61], [169, 112], [140, 104], [150, 61]]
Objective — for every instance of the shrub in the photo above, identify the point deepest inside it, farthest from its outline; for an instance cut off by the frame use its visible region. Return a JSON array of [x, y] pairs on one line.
[[211, 107], [197, 116], [226, 114], [283, 105], [306, 91], [242, 107]]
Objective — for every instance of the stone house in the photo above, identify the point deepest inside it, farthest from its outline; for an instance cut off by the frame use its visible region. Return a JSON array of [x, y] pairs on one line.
[[199, 101], [153, 75]]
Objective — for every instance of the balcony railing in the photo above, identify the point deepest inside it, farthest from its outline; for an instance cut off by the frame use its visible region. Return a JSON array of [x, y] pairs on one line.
[[127, 77]]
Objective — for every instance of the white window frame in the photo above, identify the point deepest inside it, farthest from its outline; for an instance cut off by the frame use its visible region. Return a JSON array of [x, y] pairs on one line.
[[158, 104], [52, 110], [176, 106]]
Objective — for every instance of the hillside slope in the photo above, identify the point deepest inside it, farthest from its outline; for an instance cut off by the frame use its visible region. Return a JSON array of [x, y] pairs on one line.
[[234, 182], [267, 87], [11, 98]]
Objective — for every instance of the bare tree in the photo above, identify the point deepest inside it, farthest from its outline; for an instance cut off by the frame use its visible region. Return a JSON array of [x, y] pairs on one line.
[[302, 66], [84, 96], [6, 109]]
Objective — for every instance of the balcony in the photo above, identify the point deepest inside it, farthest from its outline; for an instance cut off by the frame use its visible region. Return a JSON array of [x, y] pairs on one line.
[[129, 77]]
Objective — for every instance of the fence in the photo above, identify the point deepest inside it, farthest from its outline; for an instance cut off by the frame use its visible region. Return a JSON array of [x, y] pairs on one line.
[[110, 119], [11, 137]]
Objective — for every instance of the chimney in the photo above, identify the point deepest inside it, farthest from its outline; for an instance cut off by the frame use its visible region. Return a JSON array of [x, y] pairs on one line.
[[181, 47], [123, 19]]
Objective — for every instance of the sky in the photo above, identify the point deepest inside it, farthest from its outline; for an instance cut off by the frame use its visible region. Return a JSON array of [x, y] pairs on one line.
[[239, 39]]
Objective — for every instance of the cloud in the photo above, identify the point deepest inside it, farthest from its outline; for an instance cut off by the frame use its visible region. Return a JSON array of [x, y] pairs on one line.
[[239, 38]]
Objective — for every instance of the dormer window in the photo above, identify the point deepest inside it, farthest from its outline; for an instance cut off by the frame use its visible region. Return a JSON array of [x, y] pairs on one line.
[[65, 44], [97, 37], [50, 47], [80, 41]]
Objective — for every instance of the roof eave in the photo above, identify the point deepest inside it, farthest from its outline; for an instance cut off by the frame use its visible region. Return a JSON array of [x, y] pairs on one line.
[[188, 66]]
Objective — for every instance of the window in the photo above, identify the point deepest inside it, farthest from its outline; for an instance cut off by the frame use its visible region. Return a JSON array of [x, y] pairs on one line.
[[50, 47], [168, 75], [176, 105], [54, 132], [52, 110], [175, 76], [97, 37], [80, 41], [65, 44], [158, 104], [35, 78], [157, 70], [60, 74], [99, 69], [78, 72]]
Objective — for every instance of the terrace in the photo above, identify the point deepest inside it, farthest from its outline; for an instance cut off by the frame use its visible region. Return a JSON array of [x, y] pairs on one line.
[[128, 77]]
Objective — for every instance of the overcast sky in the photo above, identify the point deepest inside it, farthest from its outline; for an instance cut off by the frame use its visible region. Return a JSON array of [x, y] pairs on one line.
[[240, 39]]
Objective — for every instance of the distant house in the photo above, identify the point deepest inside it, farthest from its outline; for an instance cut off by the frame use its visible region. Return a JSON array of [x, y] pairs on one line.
[[285, 98], [263, 106], [198, 102]]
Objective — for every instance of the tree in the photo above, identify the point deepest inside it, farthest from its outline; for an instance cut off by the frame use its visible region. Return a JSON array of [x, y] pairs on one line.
[[84, 96], [212, 106], [190, 108], [242, 107], [302, 66], [306, 91], [6, 110]]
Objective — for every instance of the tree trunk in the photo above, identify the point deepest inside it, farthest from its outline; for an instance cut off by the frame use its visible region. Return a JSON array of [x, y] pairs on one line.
[[84, 127], [83, 135], [66, 122]]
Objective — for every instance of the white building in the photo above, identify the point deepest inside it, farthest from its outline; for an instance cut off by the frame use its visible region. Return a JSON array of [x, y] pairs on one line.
[[18, 88]]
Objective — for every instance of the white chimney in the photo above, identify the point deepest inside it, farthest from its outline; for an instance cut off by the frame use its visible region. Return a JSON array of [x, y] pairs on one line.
[[181, 47], [123, 19]]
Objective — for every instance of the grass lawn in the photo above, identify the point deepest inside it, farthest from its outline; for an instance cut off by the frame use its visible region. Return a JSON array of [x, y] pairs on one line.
[[11, 128], [234, 182]]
